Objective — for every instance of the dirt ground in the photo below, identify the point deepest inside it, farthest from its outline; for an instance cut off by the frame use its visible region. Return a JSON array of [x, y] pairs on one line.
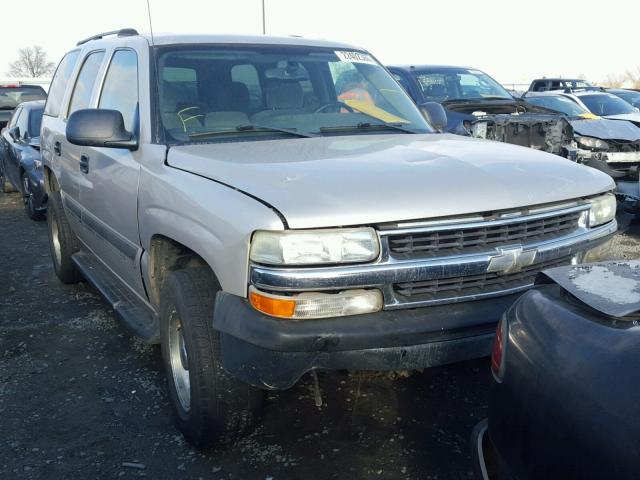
[[81, 398]]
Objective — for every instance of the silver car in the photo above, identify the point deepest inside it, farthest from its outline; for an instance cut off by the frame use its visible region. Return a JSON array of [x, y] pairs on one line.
[[265, 207]]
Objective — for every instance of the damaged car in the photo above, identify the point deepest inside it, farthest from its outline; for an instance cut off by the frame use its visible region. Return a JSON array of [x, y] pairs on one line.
[[612, 146], [599, 102], [478, 106], [563, 403]]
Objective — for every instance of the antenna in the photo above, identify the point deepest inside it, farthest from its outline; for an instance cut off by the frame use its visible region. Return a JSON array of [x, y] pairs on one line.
[[150, 23], [264, 25]]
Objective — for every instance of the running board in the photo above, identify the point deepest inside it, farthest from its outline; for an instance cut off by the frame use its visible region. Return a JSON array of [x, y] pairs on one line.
[[134, 313]]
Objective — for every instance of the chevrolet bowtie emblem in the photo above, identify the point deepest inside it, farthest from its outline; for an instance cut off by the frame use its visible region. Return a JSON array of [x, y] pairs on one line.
[[511, 259]]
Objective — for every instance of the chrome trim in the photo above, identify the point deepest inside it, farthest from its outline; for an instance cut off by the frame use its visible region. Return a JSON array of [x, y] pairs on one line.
[[388, 270], [486, 223]]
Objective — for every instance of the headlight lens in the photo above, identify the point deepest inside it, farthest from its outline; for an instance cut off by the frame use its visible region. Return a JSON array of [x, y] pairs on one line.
[[594, 143], [603, 209], [315, 247]]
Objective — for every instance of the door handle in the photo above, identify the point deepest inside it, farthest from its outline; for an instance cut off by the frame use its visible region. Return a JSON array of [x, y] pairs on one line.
[[84, 163], [57, 148]]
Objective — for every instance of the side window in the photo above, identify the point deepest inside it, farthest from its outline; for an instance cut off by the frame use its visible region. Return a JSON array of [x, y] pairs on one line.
[[120, 90], [14, 117], [87, 79], [35, 122], [59, 83], [23, 123]]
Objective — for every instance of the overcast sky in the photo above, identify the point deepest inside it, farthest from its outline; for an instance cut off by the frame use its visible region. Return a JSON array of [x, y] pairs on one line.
[[513, 41]]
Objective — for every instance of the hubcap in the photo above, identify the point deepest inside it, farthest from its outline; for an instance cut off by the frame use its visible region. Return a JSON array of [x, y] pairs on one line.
[[179, 360], [55, 240]]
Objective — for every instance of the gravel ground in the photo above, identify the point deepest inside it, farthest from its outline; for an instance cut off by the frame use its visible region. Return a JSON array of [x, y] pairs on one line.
[[81, 398]]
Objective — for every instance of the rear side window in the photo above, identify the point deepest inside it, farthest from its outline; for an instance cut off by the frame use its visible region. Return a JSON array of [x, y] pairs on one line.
[[87, 79], [120, 90], [59, 83]]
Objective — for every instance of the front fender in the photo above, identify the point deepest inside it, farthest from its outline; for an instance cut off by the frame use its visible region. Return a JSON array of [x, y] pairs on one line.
[[213, 220]]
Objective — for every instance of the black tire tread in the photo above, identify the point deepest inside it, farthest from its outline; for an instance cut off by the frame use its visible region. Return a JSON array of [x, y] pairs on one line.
[[222, 408], [32, 213], [67, 271]]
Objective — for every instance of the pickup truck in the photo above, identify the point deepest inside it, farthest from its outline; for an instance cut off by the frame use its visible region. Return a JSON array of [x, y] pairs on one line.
[[265, 207]]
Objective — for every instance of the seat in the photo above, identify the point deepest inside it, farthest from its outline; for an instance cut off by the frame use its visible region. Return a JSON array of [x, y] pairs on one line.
[[282, 97]]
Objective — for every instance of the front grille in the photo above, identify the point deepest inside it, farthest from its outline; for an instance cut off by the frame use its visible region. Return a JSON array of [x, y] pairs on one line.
[[464, 286], [469, 240]]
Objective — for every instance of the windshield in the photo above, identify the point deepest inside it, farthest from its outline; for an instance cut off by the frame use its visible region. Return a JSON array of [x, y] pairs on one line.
[[216, 92], [559, 104], [629, 96], [443, 84], [604, 104], [11, 97]]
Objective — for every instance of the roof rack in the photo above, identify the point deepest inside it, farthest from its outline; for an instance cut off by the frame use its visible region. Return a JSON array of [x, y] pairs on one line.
[[123, 32]]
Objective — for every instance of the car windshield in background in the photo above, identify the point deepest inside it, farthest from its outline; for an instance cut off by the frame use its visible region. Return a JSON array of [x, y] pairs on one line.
[[629, 96], [559, 104], [604, 104], [218, 92], [11, 97], [446, 84]]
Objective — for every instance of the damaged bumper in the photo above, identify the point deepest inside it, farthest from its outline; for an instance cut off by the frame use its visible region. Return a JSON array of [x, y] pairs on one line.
[[549, 133]]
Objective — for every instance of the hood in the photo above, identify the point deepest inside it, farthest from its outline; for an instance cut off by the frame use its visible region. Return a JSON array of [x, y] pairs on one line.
[[607, 129], [368, 179], [631, 117]]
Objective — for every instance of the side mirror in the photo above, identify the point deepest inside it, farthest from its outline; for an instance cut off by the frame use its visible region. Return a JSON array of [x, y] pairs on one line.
[[435, 114], [14, 133], [94, 127]]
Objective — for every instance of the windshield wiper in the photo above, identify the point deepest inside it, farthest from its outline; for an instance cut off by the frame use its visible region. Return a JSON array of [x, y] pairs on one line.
[[250, 128], [367, 126]]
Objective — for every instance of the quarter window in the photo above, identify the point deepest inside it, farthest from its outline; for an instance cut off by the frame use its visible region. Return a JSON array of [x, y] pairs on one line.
[[120, 90], [59, 83], [87, 79], [14, 117], [23, 123]]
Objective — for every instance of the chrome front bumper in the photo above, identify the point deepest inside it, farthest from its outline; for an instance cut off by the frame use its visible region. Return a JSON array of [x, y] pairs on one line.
[[388, 270]]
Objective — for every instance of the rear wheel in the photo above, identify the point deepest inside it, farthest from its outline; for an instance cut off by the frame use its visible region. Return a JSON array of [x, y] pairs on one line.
[[63, 243], [29, 200], [209, 405]]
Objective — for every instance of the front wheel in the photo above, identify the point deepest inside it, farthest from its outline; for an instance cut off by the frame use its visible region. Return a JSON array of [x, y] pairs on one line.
[[29, 200], [209, 405]]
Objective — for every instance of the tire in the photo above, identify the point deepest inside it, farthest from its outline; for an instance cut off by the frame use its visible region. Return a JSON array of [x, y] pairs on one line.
[[5, 184], [63, 243], [29, 200], [209, 405]]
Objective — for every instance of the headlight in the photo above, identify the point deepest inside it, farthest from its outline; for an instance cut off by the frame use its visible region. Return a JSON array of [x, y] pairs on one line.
[[594, 143], [310, 305], [315, 247], [603, 209]]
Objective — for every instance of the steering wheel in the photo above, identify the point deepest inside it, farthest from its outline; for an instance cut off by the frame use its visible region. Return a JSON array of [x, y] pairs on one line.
[[335, 105]]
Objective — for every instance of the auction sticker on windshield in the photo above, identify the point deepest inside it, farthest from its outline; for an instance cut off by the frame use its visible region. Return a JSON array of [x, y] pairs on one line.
[[355, 57]]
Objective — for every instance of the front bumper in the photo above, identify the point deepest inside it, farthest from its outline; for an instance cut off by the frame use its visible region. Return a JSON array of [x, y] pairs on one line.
[[273, 354]]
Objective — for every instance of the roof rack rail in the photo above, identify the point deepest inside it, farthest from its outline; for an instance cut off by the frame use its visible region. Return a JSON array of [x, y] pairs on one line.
[[123, 32]]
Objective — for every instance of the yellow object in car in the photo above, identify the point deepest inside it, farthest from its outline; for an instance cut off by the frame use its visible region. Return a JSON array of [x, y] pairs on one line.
[[589, 116], [377, 112]]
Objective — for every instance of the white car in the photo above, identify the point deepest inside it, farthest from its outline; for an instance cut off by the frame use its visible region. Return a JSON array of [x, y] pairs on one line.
[[598, 102]]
